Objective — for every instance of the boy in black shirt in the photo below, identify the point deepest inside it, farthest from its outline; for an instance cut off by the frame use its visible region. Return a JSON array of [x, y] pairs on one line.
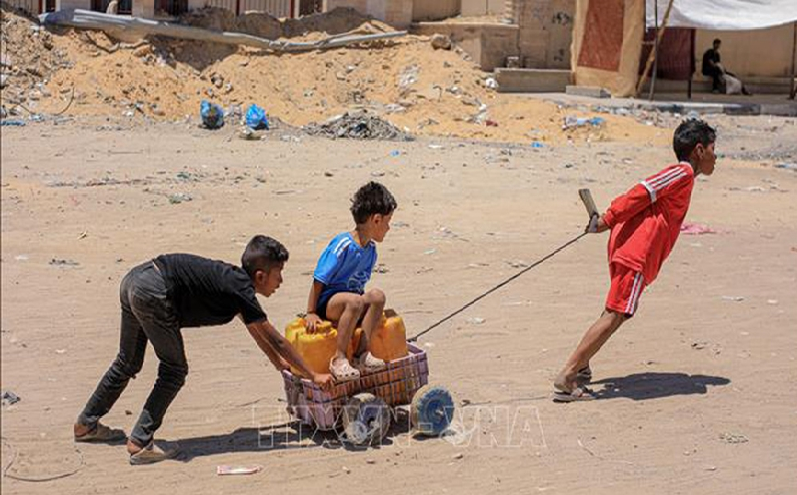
[[162, 296]]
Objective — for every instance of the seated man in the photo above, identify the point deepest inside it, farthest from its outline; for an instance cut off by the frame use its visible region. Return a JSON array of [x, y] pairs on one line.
[[713, 68]]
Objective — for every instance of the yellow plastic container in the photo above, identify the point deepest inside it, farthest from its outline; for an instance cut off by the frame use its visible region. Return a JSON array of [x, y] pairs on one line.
[[317, 348], [389, 341]]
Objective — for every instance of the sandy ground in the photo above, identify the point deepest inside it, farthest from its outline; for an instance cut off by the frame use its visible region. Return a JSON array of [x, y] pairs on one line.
[[694, 390]]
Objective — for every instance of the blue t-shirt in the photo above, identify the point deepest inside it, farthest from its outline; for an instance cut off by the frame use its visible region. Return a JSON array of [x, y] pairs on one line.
[[344, 266]]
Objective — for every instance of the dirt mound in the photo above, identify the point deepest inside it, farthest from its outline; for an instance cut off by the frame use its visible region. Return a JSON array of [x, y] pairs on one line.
[[357, 125], [337, 21], [29, 57], [403, 81]]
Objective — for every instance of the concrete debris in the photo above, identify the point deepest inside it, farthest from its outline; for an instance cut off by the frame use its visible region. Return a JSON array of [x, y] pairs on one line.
[[441, 42], [358, 125]]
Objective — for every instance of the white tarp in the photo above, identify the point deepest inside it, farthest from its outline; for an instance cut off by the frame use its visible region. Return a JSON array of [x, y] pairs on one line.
[[723, 15]]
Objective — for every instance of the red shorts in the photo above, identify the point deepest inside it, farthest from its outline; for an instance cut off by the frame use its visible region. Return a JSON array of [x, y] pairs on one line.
[[627, 285]]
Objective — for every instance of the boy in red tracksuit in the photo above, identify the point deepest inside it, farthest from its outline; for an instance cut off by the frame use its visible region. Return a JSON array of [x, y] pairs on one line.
[[645, 223]]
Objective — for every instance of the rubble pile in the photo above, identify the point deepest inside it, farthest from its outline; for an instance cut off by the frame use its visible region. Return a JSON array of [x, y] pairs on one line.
[[357, 125]]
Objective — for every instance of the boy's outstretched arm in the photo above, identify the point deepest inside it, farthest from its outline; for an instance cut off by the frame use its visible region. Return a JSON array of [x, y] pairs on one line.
[[312, 320], [275, 346]]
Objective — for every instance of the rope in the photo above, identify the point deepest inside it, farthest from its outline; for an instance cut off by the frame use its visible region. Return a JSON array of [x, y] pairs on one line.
[[505, 282]]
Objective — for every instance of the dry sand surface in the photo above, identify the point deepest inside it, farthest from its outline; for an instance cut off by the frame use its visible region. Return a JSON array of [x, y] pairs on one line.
[[695, 394]]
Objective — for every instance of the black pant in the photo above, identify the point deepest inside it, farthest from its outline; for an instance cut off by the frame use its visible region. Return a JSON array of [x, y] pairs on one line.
[[716, 76], [147, 315]]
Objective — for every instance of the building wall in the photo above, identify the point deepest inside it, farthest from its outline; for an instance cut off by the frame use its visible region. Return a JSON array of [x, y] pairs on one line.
[[482, 7], [487, 43], [397, 13], [546, 32], [427, 10], [764, 52]]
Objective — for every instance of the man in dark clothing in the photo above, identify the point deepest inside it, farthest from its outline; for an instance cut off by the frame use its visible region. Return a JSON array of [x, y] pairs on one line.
[[162, 296], [713, 68]]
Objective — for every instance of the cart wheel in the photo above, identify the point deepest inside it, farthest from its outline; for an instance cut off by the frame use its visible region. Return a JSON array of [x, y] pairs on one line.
[[432, 410], [366, 419]]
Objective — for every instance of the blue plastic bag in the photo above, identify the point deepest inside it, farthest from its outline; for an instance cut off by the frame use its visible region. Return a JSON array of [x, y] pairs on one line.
[[212, 115], [256, 118]]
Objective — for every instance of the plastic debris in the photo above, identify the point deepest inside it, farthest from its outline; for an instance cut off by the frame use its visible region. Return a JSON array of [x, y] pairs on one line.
[[256, 118], [212, 115], [696, 229], [225, 470], [575, 122], [537, 145], [10, 397]]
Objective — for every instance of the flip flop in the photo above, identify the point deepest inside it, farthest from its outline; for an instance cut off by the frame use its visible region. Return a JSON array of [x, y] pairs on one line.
[[102, 433], [342, 371], [368, 363], [578, 394], [584, 376]]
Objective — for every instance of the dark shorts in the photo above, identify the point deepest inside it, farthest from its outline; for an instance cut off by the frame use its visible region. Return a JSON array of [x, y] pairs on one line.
[[321, 306]]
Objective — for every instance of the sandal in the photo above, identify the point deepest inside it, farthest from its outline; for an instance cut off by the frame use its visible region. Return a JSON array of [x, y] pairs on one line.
[[342, 371], [584, 375], [368, 363], [578, 394], [102, 433]]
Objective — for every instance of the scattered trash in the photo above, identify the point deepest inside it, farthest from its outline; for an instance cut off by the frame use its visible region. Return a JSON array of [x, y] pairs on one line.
[[16, 123], [458, 456], [225, 470], [212, 115], [733, 298], [787, 166], [178, 198], [10, 397], [436, 147], [491, 83], [287, 138], [83, 235], [476, 320], [430, 251], [491, 123], [358, 125], [248, 134], [772, 301], [733, 438], [575, 122], [395, 153], [256, 118], [699, 345], [21, 257], [537, 145], [696, 229], [60, 262]]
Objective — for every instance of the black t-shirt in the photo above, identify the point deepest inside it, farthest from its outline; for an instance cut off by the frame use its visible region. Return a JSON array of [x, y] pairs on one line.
[[208, 292], [711, 55]]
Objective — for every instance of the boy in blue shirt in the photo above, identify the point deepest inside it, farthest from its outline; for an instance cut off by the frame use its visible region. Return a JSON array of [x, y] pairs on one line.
[[338, 290]]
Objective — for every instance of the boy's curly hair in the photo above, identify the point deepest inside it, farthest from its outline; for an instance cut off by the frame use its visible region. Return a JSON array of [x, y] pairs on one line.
[[371, 199]]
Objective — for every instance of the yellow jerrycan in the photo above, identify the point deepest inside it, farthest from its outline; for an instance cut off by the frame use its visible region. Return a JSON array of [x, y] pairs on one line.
[[317, 348], [389, 340]]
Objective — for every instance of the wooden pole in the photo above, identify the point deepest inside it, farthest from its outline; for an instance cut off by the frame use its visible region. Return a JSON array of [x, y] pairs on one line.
[[656, 50], [793, 91], [644, 75]]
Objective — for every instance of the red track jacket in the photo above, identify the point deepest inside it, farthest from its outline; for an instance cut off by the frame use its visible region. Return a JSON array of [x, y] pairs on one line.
[[647, 219]]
